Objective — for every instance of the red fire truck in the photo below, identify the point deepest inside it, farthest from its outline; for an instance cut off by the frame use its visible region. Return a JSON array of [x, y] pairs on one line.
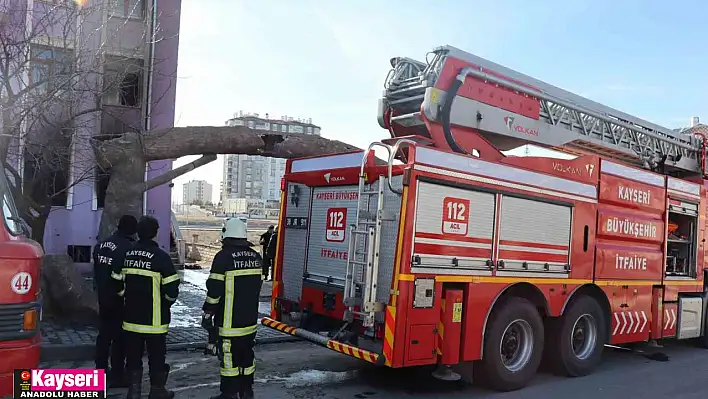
[[451, 253], [20, 309]]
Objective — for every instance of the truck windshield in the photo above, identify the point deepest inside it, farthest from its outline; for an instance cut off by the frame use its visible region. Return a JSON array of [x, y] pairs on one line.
[[9, 211]]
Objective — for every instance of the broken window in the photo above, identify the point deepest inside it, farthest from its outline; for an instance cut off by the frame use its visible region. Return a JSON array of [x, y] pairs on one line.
[[101, 180], [45, 178], [122, 82]]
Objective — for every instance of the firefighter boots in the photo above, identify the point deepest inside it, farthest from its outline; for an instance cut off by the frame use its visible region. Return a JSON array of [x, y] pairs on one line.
[[158, 379], [117, 379], [224, 395], [135, 382]]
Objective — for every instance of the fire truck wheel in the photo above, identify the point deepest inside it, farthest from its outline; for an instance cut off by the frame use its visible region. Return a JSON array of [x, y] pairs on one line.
[[513, 345], [576, 339]]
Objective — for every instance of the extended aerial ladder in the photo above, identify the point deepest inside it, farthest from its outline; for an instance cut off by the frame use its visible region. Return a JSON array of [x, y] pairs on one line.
[[464, 103]]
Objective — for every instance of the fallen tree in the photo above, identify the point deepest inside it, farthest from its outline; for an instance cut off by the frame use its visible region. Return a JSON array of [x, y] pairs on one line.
[[126, 157]]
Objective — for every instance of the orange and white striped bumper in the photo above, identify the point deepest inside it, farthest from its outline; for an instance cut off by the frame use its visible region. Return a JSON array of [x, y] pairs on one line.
[[362, 354]]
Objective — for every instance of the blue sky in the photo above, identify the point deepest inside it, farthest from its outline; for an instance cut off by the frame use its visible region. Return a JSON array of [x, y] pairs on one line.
[[328, 59]]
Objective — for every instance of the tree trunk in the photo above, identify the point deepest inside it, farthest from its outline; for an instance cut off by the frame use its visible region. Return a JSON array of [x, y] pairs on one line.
[[128, 154], [38, 225], [123, 196]]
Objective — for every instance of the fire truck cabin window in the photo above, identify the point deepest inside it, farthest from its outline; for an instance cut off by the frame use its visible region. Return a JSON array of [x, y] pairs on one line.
[[682, 239]]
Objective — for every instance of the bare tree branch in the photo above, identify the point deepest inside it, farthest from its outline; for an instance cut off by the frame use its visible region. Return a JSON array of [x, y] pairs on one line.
[[174, 173]]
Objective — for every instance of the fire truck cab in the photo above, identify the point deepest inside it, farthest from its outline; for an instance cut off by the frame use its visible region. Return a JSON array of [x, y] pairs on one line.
[[20, 309], [450, 253]]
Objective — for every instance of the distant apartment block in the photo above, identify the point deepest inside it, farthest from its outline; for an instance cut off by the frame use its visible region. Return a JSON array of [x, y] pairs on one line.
[[254, 177], [196, 192]]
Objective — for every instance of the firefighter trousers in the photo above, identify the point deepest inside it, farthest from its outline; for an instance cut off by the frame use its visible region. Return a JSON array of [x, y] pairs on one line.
[[238, 364], [266, 266], [109, 341], [135, 344]]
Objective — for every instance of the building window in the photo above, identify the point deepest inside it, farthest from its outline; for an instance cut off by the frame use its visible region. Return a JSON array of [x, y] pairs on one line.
[[79, 253], [251, 124], [128, 8], [274, 127], [309, 130], [46, 173], [51, 68], [295, 129], [317, 131], [122, 82], [284, 128], [101, 180]]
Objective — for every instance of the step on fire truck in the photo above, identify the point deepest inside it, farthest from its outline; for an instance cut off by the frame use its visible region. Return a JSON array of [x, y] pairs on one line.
[[460, 255], [20, 310]]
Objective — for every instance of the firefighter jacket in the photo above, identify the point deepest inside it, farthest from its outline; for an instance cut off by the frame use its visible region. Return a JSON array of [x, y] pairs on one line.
[[234, 287], [107, 254], [150, 286]]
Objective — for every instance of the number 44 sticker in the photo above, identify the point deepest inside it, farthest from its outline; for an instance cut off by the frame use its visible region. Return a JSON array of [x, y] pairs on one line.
[[454, 217], [21, 283]]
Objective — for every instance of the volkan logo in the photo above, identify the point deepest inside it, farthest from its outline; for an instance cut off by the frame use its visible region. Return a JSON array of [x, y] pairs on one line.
[[590, 168], [509, 122], [331, 179]]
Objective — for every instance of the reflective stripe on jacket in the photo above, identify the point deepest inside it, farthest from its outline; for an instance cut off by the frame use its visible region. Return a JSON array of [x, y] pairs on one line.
[[233, 289], [150, 285]]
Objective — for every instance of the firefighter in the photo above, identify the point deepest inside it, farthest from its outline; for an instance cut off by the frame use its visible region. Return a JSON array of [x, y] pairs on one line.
[[150, 286], [265, 238], [107, 253], [233, 289], [270, 251]]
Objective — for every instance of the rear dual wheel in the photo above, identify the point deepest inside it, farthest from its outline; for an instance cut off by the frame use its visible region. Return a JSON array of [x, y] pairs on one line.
[[576, 339], [513, 346]]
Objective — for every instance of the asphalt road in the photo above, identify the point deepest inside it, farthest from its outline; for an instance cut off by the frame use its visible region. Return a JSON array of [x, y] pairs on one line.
[[302, 370]]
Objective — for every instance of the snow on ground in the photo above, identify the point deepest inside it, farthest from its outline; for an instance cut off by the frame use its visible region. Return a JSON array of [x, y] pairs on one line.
[[196, 278], [187, 311], [185, 316], [306, 378]]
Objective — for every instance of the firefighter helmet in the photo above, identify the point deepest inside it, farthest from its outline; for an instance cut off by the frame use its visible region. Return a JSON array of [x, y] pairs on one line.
[[235, 227]]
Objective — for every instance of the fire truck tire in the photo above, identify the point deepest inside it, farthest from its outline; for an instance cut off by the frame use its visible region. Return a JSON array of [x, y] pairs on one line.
[[576, 339], [513, 346]]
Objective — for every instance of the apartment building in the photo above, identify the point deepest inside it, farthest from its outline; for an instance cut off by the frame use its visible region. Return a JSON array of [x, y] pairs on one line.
[[197, 192], [254, 177], [132, 76]]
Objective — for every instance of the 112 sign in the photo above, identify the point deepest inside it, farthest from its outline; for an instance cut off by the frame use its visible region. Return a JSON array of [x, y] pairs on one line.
[[455, 216], [336, 224]]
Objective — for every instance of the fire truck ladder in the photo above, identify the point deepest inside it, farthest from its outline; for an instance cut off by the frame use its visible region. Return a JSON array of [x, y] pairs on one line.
[[364, 246], [567, 122]]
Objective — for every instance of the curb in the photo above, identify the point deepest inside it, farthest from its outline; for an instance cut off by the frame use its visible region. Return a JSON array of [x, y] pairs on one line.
[[85, 352]]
